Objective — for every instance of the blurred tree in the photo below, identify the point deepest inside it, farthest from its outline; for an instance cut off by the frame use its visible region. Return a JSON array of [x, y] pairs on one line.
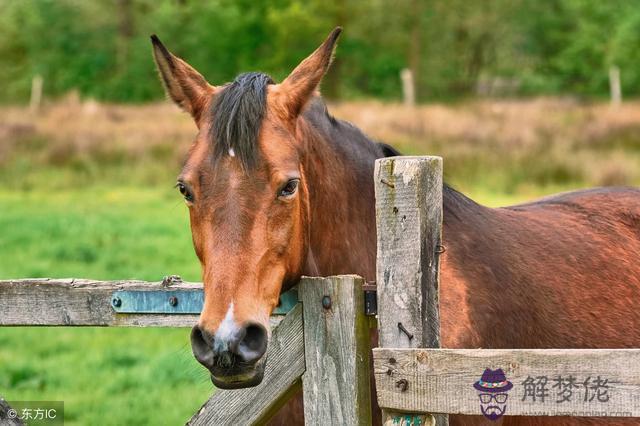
[[102, 50]]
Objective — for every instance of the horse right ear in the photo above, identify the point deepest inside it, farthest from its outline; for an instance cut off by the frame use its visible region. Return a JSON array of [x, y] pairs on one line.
[[300, 85], [184, 85]]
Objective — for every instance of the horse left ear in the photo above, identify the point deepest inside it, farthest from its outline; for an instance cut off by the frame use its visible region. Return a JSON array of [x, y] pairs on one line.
[[184, 85], [300, 85]]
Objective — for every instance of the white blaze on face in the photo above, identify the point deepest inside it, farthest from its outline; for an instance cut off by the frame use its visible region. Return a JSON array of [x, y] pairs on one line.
[[232, 153], [226, 331]]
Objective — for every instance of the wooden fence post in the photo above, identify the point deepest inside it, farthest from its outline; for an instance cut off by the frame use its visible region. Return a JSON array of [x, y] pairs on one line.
[[408, 87], [614, 85], [336, 346], [409, 227]]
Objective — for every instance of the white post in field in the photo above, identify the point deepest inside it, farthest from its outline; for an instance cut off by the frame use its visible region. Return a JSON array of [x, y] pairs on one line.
[[614, 85], [408, 88]]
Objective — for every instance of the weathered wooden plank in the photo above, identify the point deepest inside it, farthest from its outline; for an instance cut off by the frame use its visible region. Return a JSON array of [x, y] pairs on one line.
[[408, 219], [553, 382], [285, 366], [409, 228], [336, 384], [81, 302]]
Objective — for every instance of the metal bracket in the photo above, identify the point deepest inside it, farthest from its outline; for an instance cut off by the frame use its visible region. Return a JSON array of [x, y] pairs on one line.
[[178, 301], [370, 298]]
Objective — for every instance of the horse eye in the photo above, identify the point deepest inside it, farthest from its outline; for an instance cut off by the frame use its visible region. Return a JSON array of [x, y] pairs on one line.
[[289, 189], [184, 191]]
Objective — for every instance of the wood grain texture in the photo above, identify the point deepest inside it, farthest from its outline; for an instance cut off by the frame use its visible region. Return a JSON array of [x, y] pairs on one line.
[[409, 223], [336, 382], [441, 380], [409, 228], [285, 366], [80, 302]]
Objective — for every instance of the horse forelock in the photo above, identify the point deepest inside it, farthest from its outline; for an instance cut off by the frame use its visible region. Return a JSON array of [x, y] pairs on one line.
[[237, 114]]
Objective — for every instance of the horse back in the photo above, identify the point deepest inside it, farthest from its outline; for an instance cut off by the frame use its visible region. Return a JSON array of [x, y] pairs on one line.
[[561, 272]]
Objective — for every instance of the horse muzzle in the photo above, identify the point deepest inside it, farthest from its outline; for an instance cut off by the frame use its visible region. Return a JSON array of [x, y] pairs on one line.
[[238, 360], [238, 377]]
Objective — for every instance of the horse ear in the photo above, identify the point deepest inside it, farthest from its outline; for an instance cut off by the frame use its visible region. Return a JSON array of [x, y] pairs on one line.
[[299, 86], [186, 87]]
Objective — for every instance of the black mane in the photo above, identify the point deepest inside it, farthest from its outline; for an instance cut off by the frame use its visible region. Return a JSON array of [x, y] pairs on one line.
[[237, 116]]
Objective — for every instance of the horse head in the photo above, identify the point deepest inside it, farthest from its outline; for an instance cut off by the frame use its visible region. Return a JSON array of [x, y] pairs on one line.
[[244, 184]]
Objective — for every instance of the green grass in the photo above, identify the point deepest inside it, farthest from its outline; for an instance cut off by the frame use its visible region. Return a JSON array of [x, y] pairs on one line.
[[98, 232], [105, 376]]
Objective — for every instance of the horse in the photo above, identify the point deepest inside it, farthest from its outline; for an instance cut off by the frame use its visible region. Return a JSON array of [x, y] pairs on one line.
[[277, 188]]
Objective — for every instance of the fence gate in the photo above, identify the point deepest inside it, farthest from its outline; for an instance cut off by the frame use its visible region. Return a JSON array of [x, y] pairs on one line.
[[414, 376], [327, 355]]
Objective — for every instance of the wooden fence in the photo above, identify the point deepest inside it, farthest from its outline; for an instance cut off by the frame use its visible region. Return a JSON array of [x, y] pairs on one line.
[[321, 342]]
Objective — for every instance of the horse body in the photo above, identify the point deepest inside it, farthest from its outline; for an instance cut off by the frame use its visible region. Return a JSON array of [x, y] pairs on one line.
[[561, 272], [277, 189], [558, 273]]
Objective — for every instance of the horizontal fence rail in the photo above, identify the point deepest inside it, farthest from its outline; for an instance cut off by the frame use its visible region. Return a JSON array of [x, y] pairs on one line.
[[125, 303], [543, 382]]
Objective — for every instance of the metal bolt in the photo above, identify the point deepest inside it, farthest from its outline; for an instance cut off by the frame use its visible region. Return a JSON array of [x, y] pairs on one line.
[[389, 372], [116, 302], [326, 302], [392, 360], [403, 384], [405, 331], [386, 182], [173, 301]]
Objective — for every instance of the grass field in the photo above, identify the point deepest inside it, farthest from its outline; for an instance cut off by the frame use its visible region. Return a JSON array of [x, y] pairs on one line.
[[87, 192], [105, 376]]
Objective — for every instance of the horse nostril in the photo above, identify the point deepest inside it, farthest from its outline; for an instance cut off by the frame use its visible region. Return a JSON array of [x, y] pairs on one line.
[[201, 348], [254, 342]]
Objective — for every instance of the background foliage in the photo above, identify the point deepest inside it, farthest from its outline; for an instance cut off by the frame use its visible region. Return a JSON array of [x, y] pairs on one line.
[[102, 48]]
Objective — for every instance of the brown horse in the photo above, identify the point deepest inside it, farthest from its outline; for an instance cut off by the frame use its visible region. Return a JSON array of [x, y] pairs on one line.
[[278, 188]]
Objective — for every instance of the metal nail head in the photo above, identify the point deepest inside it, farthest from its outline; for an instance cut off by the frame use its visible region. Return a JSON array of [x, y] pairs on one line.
[[326, 302]]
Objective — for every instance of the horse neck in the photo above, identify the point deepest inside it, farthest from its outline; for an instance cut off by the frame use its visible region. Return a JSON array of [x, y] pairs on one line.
[[339, 163]]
